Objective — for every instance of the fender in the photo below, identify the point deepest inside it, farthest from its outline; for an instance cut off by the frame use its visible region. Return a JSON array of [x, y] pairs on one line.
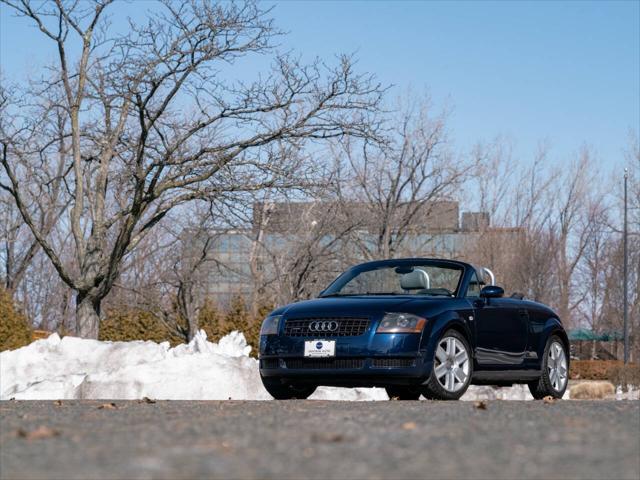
[[438, 325], [552, 326]]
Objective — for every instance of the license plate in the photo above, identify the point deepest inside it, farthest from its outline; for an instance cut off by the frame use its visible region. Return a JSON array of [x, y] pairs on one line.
[[320, 348]]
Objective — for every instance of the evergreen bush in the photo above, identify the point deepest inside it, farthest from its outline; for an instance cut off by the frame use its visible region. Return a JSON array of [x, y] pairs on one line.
[[15, 331], [132, 324]]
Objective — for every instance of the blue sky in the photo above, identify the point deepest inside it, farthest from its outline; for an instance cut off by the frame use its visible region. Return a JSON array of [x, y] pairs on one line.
[[567, 73]]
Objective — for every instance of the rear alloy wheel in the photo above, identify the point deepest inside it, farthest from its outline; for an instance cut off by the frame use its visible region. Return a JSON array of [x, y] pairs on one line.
[[452, 368], [400, 392], [555, 371], [284, 391]]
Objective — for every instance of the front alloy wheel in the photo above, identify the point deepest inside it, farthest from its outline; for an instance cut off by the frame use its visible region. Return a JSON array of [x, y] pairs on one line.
[[557, 366], [452, 366], [555, 371]]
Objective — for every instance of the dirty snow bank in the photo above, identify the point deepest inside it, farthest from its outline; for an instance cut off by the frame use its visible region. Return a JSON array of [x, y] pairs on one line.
[[71, 368]]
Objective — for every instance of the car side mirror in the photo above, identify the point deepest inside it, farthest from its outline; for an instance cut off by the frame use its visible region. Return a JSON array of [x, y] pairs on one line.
[[492, 291]]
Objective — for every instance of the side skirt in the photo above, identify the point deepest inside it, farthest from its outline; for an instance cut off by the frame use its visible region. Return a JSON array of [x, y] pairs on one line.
[[504, 377]]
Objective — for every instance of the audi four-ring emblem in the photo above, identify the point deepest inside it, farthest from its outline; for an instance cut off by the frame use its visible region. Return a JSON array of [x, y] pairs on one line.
[[324, 326]]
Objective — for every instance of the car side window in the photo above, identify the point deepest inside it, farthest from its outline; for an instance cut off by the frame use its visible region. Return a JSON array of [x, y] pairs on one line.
[[474, 286]]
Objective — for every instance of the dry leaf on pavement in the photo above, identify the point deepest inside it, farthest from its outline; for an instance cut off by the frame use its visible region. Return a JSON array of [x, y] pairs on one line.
[[328, 437], [40, 432]]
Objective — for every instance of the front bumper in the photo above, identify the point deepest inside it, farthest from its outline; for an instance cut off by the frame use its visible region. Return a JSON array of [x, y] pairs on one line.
[[369, 361], [347, 372]]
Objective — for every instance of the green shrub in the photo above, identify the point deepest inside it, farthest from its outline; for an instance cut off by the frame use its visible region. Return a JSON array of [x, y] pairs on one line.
[[131, 324], [137, 324], [218, 324], [238, 318], [210, 320], [15, 331]]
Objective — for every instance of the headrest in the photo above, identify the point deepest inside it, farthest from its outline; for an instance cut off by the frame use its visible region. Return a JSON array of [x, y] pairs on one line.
[[416, 280]]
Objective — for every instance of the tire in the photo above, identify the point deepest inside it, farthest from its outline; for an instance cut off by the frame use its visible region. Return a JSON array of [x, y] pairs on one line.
[[284, 391], [403, 393], [452, 368], [555, 371]]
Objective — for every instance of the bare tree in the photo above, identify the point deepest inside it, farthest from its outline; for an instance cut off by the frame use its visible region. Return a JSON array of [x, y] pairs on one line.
[[392, 186], [579, 207], [517, 195], [492, 182], [19, 247], [170, 273], [553, 222], [297, 258], [153, 123], [191, 262], [613, 298], [592, 274]]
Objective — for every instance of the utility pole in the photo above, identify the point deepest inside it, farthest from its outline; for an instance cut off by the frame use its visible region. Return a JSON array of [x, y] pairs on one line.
[[625, 274]]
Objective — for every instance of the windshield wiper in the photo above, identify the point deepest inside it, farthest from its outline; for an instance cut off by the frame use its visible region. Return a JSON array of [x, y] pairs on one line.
[[361, 294], [382, 293], [340, 295]]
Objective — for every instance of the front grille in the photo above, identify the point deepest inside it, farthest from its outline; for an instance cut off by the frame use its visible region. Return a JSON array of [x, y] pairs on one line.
[[393, 362], [270, 363], [347, 327], [316, 363]]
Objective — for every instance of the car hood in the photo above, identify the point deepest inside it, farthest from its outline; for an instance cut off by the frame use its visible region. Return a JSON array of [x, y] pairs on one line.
[[354, 306]]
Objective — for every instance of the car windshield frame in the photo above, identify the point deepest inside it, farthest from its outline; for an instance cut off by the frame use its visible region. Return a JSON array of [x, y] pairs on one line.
[[333, 290]]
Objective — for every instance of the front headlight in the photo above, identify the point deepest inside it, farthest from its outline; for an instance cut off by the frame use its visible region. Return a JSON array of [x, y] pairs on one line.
[[270, 325], [401, 323]]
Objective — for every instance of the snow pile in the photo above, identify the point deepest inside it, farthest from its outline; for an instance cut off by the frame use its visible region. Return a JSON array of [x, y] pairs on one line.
[[631, 393], [516, 392], [349, 394], [71, 367]]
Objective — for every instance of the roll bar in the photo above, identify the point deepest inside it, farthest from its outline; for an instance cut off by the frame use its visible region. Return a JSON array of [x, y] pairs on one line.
[[491, 275]]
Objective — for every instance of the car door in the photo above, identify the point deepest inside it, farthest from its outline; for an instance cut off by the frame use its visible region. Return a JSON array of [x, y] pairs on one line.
[[501, 332]]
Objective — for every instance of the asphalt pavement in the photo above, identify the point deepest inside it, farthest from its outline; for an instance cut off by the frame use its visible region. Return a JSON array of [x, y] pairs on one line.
[[320, 439]]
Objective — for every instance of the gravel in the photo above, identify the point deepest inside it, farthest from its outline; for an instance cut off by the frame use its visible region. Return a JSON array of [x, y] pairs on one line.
[[320, 439]]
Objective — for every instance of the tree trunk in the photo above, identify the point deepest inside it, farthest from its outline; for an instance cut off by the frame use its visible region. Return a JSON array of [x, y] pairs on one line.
[[193, 328], [87, 316]]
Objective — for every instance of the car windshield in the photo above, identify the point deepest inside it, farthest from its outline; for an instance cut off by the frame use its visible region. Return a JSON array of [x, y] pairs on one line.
[[432, 279]]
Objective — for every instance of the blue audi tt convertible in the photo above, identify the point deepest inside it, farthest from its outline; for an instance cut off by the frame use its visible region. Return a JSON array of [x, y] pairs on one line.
[[415, 327]]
